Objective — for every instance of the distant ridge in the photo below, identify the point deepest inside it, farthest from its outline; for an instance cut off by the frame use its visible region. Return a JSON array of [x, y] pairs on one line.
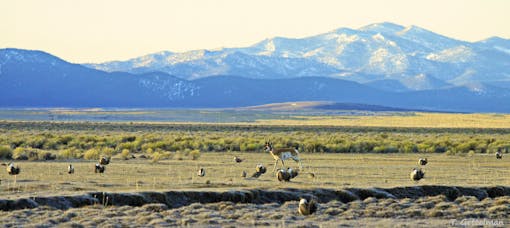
[[31, 79]]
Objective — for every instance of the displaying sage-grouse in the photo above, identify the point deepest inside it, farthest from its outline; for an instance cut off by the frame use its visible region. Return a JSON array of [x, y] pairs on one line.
[[70, 169], [499, 155], [286, 175], [11, 169], [417, 174], [238, 159], [307, 207], [201, 172], [283, 175], [259, 170], [104, 161], [99, 168], [292, 172]]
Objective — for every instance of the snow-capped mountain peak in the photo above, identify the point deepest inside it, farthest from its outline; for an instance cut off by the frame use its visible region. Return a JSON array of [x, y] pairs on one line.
[[373, 52], [269, 48]]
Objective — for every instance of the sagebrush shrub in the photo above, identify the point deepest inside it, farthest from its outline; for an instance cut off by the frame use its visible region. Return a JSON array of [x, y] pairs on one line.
[[5, 152]]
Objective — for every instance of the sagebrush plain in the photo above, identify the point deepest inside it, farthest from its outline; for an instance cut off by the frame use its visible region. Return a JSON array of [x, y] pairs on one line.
[[162, 157]]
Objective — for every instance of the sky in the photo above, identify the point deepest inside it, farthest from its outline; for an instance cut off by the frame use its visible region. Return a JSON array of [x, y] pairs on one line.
[[92, 31]]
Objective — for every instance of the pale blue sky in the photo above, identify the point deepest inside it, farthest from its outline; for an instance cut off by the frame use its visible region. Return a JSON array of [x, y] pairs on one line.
[[102, 30]]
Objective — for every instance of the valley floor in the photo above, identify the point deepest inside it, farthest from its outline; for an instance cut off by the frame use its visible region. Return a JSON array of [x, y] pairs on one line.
[[329, 171], [344, 183]]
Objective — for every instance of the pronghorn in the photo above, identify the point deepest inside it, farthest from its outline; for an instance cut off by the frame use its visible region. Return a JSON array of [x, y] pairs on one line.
[[283, 154], [423, 161], [307, 207], [417, 174]]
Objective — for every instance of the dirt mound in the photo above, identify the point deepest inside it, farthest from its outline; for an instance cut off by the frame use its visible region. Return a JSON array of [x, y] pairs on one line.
[[176, 199]]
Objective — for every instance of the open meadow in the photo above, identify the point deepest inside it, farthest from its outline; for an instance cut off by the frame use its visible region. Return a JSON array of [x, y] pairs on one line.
[[359, 175]]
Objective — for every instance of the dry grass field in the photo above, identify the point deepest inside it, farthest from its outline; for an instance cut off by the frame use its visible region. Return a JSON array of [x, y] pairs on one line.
[[468, 187], [270, 117], [427, 120], [331, 171], [222, 173], [371, 212]]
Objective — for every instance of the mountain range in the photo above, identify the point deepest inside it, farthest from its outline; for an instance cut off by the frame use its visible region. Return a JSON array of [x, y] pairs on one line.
[[400, 58], [380, 64]]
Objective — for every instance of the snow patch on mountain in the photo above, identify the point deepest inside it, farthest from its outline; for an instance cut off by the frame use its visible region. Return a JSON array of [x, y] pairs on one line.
[[477, 88], [313, 52], [502, 49], [269, 48], [345, 38], [378, 37], [170, 89], [144, 61], [384, 61], [185, 57], [332, 61], [460, 54], [404, 31]]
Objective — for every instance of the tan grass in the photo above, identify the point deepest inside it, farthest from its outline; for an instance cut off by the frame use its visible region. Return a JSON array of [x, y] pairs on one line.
[[371, 212], [330, 170], [431, 120]]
